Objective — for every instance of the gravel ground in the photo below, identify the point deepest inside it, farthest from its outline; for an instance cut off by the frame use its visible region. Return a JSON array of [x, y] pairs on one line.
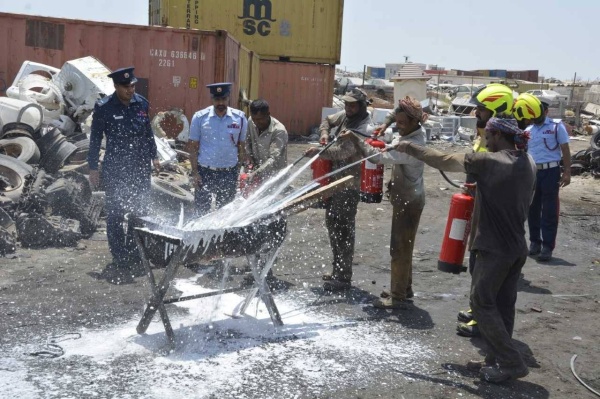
[[331, 346]]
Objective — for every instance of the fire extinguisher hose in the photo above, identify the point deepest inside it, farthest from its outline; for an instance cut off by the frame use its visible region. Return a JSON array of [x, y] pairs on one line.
[[449, 181]]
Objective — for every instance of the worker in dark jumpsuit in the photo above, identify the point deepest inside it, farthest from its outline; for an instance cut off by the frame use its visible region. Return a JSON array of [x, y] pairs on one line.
[[123, 119], [505, 177]]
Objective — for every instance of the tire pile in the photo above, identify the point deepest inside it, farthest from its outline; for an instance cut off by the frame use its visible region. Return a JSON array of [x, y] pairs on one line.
[[45, 198], [587, 161]]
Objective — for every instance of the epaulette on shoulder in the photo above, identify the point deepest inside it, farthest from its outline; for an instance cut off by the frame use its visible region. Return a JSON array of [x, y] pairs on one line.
[[238, 112], [103, 101], [203, 112], [142, 99]]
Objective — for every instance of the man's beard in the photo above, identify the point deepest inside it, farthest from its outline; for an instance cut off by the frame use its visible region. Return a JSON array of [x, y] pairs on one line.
[[481, 124], [221, 108]]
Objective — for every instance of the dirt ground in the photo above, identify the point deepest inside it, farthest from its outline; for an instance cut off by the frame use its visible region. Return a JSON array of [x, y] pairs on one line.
[[412, 353]]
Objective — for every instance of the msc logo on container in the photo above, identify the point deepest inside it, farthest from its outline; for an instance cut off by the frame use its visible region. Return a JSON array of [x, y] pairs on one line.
[[257, 17]]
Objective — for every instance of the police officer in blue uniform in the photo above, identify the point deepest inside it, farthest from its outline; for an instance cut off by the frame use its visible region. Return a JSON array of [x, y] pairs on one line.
[[548, 144], [217, 149], [122, 118]]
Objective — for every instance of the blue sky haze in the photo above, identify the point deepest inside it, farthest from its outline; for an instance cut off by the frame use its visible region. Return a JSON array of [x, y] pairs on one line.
[[555, 36]]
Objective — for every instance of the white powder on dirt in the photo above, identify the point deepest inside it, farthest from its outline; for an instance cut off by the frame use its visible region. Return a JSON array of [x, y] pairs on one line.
[[312, 354]]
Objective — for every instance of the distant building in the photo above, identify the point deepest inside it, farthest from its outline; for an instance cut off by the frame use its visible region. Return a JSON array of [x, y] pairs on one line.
[[410, 81]]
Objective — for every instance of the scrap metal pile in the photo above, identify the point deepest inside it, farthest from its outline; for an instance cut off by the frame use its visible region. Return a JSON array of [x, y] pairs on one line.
[[45, 196], [588, 160]]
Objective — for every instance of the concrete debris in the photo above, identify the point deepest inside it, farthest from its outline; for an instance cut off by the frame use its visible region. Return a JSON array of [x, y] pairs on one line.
[[45, 196]]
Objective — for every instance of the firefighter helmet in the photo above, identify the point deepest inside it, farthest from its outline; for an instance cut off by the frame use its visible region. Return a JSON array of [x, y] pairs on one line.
[[527, 106], [496, 97]]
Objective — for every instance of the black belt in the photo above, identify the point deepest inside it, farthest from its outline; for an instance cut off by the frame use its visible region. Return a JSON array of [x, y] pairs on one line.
[[217, 169]]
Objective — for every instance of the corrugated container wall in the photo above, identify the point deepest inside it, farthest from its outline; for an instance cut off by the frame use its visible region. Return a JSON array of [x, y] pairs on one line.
[[285, 30], [498, 73], [173, 65], [296, 93], [460, 72], [528, 75]]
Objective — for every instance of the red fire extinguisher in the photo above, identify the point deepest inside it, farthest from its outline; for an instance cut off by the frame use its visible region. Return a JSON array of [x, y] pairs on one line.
[[457, 231], [248, 187], [371, 176], [320, 167]]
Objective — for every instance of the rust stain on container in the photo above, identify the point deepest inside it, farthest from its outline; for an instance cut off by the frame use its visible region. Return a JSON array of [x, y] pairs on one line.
[[297, 92], [285, 30], [176, 64]]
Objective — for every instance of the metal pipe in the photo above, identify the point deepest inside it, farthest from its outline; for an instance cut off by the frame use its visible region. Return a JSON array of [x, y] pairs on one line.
[[204, 295]]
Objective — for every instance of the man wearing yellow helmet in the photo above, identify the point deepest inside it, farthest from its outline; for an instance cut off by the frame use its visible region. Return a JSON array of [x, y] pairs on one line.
[[491, 100], [527, 108], [506, 177], [549, 143]]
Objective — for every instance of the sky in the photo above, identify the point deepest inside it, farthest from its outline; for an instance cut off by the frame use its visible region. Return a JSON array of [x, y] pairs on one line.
[[554, 36]]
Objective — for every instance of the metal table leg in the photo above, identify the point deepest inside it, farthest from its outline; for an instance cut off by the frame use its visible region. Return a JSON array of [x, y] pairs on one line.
[[261, 265], [158, 291], [261, 287]]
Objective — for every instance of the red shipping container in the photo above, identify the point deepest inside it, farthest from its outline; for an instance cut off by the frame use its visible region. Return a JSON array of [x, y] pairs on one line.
[[528, 75], [297, 92], [172, 65]]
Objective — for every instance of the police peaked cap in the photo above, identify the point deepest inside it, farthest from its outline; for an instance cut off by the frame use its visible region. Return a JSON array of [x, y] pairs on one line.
[[123, 76], [219, 90]]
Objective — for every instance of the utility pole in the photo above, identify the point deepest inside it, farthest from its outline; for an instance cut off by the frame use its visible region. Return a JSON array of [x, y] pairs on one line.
[[364, 72], [573, 89], [471, 91]]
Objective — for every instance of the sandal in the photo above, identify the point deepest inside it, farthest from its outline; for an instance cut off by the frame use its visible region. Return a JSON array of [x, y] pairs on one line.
[[386, 294]]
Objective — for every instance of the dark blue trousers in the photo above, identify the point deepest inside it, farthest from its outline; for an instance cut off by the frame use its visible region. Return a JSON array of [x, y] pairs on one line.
[[543, 212], [124, 195], [220, 183]]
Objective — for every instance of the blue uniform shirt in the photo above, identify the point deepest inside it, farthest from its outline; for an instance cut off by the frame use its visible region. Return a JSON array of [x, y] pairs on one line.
[[544, 143], [129, 138], [218, 137]]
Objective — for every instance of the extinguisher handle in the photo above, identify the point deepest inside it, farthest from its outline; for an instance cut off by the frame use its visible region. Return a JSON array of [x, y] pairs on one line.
[[469, 189]]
